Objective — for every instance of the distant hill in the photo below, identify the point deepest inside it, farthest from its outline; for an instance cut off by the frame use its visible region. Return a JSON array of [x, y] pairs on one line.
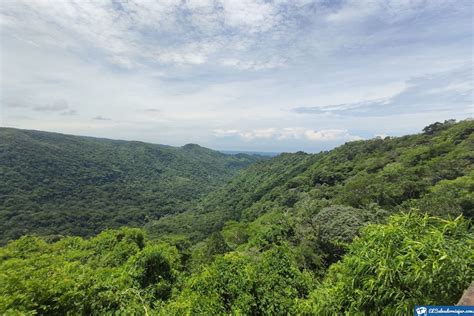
[[61, 184], [431, 171], [371, 227]]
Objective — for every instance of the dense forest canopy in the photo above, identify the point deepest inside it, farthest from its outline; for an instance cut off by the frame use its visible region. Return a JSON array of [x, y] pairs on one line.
[[55, 184], [371, 227], [431, 171]]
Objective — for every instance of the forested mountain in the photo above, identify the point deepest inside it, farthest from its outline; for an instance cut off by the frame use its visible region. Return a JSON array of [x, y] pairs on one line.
[[61, 184], [431, 171], [371, 227], [231, 200]]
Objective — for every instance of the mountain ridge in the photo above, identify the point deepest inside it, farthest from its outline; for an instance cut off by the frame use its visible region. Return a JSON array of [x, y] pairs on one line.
[[392, 173], [65, 176], [346, 231]]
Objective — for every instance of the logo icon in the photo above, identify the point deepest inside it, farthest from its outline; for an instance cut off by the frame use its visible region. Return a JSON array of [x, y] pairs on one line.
[[421, 311]]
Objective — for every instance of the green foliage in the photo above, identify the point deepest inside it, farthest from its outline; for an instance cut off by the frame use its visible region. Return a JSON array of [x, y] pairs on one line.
[[236, 283], [224, 287], [391, 173], [451, 197], [270, 229], [295, 234], [118, 270], [436, 127], [68, 185], [335, 226], [235, 233], [154, 269], [414, 259], [279, 282], [216, 245], [227, 203]]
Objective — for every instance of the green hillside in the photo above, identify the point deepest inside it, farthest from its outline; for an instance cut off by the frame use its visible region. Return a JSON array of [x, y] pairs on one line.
[[61, 184], [431, 171], [228, 202], [370, 228]]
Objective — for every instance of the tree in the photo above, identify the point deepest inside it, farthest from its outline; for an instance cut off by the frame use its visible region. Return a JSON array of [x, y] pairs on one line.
[[225, 287], [436, 127], [337, 225], [216, 245], [279, 282], [414, 259]]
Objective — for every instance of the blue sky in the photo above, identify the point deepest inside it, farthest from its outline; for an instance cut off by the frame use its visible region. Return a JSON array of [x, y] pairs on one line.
[[236, 74]]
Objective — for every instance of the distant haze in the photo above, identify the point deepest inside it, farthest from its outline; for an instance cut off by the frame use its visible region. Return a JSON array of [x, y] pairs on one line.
[[259, 153]]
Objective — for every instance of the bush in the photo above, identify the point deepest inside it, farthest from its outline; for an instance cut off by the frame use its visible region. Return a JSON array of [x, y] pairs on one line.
[[414, 259]]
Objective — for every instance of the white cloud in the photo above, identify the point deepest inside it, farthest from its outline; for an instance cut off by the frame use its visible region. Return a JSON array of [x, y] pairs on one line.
[[253, 16], [289, 133], [133, 33], [101, 118], [353, 10], [194, 54], [227, 73], [389, 10], [330, 134], [292, 133], [253, 64], [259, 133], [438, 91], [226, 132]]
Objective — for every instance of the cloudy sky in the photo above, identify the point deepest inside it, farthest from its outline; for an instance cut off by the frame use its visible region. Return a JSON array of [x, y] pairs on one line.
[[282, 75]]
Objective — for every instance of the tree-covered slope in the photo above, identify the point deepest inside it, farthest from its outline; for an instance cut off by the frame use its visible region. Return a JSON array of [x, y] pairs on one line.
[[371, 227], [227, 203], [61, 184], [387, 271], [432, 171]]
